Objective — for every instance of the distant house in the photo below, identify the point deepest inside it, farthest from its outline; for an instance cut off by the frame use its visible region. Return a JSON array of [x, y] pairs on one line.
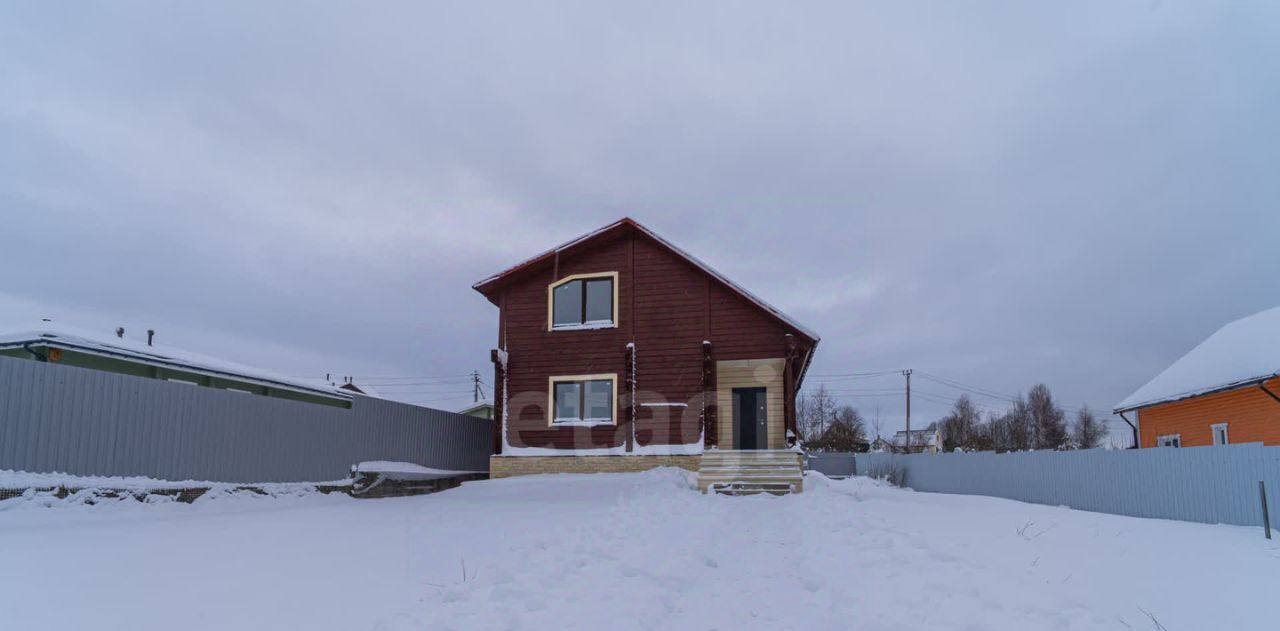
[[922, 440], [1226, 390], [118, 354], [621, 352], [480, 409], [880, 445]]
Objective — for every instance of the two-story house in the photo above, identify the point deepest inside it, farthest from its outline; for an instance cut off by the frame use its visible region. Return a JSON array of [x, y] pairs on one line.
[[618, 351]]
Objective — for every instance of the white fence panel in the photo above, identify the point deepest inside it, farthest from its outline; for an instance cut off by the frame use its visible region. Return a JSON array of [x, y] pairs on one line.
[[1203, 484]]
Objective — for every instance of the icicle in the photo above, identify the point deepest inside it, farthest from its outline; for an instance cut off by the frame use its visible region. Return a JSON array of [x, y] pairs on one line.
[[632, 346]]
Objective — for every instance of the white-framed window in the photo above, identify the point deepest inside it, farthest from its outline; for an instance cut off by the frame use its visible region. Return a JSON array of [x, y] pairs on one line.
[[582, 400], [583, 301], [1219, 433], [1169, 440]]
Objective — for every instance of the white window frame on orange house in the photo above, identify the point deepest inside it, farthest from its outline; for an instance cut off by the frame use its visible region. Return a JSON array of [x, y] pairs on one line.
[[1226, 439]]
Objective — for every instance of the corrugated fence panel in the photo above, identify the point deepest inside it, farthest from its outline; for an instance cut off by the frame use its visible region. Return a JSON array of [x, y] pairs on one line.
[[89, 422], [1203, 484], [831, 464]]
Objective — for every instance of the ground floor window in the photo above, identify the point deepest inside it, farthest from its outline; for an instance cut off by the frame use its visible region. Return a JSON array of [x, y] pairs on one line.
[[583, 400], [1219, 433], [1171, 440]]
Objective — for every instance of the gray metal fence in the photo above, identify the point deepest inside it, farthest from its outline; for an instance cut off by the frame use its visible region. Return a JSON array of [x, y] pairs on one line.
[[1204, 484], [835, 465], [90, 422]]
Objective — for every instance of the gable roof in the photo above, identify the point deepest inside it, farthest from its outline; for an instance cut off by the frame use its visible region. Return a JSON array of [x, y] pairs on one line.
[[487, 285], [68, 338], [1241, 353]]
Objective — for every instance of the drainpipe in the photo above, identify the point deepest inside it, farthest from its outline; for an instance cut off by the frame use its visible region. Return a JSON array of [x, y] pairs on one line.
[[40, 357], [1134, 428], [1263, 386]]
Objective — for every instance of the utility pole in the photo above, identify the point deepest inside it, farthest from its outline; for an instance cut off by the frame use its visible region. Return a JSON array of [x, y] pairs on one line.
[[907, 373], [475, 389]]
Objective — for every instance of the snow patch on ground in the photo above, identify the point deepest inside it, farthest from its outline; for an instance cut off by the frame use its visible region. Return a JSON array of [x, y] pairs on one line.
[[42, 490], [629, 551], [10, 479], [387, 466]]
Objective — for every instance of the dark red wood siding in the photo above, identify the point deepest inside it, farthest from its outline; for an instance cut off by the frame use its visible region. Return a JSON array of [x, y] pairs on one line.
[[667, 307]]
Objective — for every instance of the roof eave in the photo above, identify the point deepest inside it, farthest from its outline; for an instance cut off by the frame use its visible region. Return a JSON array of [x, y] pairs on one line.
[[1252, 381], [212, 372]]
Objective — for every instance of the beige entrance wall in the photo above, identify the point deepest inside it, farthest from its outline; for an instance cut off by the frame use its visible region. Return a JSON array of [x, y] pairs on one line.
[[749, 373]]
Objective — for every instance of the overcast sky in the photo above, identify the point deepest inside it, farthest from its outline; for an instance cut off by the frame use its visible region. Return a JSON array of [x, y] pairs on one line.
[[994, 193]]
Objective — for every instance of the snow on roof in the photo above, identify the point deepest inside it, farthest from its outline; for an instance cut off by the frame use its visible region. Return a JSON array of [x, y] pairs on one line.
[[66, 337], [921, 435], [1242, 352], [361, 388], [807, 332], [482, 403]]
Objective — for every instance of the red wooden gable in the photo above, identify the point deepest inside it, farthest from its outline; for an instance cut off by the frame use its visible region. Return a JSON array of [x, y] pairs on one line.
[[490, 286]]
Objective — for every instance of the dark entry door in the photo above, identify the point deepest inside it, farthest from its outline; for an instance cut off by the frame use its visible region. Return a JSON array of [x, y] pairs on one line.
[[750, 423]]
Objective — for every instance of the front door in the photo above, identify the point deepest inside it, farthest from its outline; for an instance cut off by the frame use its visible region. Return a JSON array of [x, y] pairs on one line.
[[750, 423]]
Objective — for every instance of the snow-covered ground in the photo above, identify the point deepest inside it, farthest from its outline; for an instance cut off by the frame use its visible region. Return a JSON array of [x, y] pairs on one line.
[[625, 551]]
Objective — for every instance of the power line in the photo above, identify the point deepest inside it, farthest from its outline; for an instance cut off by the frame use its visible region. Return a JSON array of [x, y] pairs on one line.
[[896, 393], [879, 373], [933, 397], [968, 388], [852, 391], [453, 376], [400, 393], [416, 378], [988, 392], [412, 382]]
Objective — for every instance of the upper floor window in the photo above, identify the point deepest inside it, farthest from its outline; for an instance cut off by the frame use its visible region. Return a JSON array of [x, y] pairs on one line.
[[1219, 433], [584, 301], [1171, 440]]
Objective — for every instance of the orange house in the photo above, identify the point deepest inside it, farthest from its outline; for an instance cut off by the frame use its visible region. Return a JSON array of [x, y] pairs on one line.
[[1226, 390]]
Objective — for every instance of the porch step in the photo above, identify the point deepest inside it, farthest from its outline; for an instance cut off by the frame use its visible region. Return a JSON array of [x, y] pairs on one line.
[[749, 472]]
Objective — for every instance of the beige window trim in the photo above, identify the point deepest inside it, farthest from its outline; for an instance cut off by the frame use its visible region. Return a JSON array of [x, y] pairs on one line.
[[568, 279], [551, 397]]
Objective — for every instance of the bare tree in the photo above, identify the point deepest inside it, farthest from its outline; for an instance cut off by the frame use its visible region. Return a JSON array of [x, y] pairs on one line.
[[877, 422], [814, 411], [960, 425], [1020, 432], [846, 433], [1048, 422], [1088, 432], [999, 431]]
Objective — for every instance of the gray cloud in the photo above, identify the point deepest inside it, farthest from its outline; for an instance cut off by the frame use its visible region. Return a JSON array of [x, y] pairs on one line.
[[998, 194]]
